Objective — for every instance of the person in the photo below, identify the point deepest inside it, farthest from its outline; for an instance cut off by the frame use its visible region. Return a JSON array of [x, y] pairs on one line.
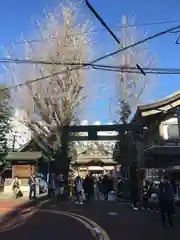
[[111, 182], [15, 186], [146, 195], [37, 186], [88, 185], [79, 190], [59, 187], [105, 187], [91, 185], [51, 185], [166, 198], [134, 195], [97, 187], [174, 187], [32, 186], [120, 184]]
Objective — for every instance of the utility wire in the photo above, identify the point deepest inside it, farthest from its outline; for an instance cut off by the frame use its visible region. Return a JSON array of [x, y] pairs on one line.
[[178, 38], [43, 62], [169, 30], [137, 72], [124, 67], [85, 65], [101, 67], [108, 29], [39, 79], [101, 21], [134, 69], [136, 44], [102, 29]]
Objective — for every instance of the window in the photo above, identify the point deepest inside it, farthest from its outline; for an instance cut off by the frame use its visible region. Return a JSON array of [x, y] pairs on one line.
[[173, 132]]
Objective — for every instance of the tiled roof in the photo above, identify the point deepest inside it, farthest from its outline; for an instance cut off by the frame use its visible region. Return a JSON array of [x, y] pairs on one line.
[[23, 156]]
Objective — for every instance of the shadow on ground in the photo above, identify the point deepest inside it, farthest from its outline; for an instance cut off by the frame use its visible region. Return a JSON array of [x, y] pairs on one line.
[[119, 221], [27, 223], [17, 210]]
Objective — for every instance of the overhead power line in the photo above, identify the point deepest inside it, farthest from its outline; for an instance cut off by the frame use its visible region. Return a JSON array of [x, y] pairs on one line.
[[169, 30], [90, 64], [162, 71], [84, 65], [136, 44], [43, 62], [108, 29], [103, 29], [102, 21], [39, 79], [124, 69]]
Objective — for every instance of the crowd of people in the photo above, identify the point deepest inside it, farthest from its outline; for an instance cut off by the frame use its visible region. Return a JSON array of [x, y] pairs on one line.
[[154, 196], [99, 187], [164, 194], [93, 187]]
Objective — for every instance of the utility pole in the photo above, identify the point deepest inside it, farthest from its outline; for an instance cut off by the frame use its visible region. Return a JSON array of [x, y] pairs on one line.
[[124, 44], [123, 94]]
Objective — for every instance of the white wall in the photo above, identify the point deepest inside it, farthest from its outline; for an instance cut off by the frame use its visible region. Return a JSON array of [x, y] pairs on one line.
[[164, 126]]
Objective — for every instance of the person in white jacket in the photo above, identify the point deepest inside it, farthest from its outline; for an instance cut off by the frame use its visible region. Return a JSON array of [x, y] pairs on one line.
[[79, 190]]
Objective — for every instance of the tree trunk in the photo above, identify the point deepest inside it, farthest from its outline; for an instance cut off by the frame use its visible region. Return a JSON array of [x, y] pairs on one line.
[[62, 161], [134, 185]]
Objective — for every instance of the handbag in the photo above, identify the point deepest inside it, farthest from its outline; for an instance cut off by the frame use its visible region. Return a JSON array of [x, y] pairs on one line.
[[19, 193]]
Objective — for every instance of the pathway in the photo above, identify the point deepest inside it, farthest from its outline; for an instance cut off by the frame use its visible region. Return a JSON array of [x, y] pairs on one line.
[[69, 221]]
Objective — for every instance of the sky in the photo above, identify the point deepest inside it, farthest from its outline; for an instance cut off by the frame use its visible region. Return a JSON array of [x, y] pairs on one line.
[[18, 17]]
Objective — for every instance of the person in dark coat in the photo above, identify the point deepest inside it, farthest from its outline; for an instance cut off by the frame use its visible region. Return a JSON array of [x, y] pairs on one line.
[[120, 184], [146, 193], [135, 195], [88, 185], [105, 187], [32, 186], [59, 187], [174, 187], [166, 198]]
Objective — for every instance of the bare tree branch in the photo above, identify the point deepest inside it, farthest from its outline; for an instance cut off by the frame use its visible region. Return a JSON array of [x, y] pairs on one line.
[[132, 87], [51, 104]]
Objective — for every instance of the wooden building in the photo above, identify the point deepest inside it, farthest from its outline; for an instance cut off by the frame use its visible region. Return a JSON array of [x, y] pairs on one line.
[[95, 160], [23, 163], [29, 159], [160, 152]]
